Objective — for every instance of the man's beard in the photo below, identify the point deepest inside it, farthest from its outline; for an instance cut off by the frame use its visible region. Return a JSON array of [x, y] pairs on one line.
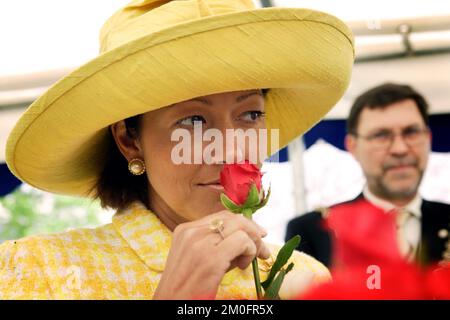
[[383, 189]]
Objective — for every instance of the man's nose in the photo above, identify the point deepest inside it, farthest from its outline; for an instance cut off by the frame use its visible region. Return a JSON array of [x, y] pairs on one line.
[[399, 145]]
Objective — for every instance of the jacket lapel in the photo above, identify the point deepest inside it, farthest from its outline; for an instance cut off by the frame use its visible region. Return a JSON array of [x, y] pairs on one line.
[[435, 230]]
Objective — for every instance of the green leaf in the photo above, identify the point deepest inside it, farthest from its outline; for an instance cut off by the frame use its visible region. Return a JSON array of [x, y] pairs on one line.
[[263, 202], [252, 198], [272, 292], [282, 258], [266, 197], [247, 213], [289, 268], [229, 204], [274, 289]]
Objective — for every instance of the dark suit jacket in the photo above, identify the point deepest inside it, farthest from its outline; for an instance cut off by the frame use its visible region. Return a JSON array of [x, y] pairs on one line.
[[318, 242]]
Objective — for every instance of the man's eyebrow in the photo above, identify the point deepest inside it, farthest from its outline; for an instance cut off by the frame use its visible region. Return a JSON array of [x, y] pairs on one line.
[[238, 99], [409, 126]]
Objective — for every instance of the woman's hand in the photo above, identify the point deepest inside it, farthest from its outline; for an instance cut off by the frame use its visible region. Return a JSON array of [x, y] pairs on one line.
[[200, 257]]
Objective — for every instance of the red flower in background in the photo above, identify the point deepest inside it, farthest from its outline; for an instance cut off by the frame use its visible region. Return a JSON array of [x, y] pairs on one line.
[[363, 234], [237, 179], [437, 283], [397, 281], [367, 261]]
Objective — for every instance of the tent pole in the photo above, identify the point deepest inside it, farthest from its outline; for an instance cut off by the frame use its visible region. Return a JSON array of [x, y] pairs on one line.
[[296, 151]]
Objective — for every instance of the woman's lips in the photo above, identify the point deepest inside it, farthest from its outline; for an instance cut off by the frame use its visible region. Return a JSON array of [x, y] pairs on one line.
[[215, 186]]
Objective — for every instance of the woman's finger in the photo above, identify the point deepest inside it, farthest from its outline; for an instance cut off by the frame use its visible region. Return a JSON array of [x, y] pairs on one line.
[[236, 245]]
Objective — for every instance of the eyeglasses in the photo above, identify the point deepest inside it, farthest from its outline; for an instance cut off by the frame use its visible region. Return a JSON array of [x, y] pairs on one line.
[[383, 139]]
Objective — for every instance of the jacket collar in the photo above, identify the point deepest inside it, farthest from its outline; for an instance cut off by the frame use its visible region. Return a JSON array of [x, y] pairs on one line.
[[414, 206], [145, 234], [151, 239]]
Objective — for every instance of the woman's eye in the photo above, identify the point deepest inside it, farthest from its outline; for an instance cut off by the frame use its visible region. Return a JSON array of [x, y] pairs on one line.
[[252, 116], [192, 121]]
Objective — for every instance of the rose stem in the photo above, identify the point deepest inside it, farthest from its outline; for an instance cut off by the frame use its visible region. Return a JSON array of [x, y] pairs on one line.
[[248, 214]]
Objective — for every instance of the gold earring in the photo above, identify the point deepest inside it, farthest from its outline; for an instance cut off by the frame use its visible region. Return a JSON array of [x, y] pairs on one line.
[[136, 166]]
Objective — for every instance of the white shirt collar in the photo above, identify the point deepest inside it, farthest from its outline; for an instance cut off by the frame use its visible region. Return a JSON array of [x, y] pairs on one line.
[[413, 206]]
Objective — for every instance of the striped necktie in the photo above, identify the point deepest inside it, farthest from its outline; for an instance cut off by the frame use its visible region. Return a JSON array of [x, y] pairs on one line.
[[407, 222]]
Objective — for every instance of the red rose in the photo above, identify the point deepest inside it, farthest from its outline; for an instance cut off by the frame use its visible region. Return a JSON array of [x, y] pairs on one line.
[[244, 195], [237, 179]]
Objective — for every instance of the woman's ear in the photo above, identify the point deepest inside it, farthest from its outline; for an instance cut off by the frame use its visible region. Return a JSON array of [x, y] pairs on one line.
[[129, 146]]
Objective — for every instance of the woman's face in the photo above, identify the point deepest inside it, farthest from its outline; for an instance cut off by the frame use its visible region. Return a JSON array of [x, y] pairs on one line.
[[189, 191]]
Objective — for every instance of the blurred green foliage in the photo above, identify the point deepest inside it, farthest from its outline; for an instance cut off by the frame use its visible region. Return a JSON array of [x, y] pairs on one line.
[[28, 211]]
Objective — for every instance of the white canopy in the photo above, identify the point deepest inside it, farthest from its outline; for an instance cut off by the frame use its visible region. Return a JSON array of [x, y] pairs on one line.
[[41, 48]]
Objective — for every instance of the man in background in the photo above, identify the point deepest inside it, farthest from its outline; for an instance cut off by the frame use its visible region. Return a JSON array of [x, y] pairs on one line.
[[388, 134]]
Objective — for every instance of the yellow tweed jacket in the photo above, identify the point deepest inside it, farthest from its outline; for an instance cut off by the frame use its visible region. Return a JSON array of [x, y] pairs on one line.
[[121, 260]]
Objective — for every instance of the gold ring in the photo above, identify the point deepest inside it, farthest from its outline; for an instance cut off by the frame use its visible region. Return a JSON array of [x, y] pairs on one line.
[[217, 225]]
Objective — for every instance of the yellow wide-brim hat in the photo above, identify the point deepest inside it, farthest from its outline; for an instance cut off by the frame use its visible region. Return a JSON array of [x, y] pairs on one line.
[[156, 53]]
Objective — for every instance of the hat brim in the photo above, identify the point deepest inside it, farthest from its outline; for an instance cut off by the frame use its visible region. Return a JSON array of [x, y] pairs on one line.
[[305, 57]]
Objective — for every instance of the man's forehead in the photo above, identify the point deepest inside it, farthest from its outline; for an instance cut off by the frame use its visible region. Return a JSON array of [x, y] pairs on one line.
[[397, 115]]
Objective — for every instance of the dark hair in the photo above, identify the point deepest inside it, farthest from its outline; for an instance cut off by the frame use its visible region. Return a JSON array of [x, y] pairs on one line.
[[116, 187], [383, 96]]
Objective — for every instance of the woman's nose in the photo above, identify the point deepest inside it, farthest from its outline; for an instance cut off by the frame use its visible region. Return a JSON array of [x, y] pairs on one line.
[[229, 152], [234, 152], [237, 144], [231, 148]]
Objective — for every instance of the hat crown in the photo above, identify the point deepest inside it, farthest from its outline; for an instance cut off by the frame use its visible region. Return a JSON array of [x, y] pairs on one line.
[[143, 17]]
